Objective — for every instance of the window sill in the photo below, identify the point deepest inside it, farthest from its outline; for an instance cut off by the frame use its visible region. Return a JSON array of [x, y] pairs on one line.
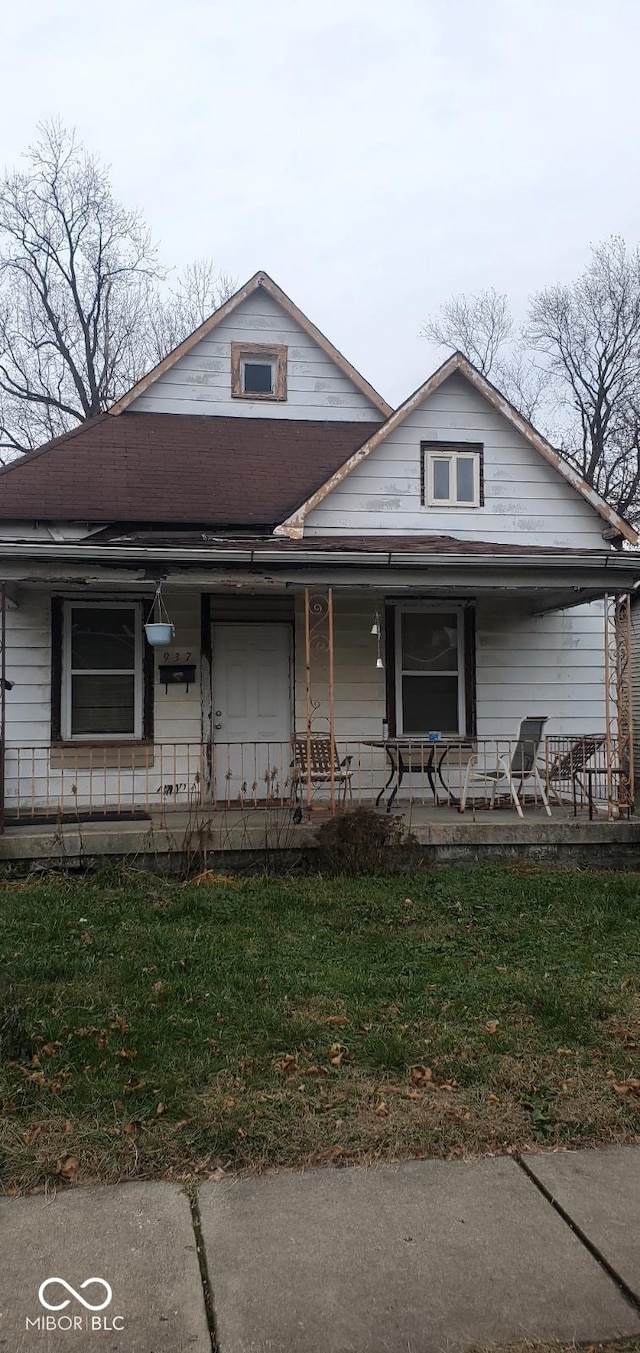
[[258, 395], [130, 755]]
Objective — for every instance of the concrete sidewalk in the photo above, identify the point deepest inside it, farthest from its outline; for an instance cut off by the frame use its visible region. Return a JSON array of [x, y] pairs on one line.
[[420, 1257]]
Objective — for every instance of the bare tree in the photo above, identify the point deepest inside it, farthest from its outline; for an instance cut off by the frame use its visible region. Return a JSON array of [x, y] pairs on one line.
[[574, 368], [479, 326], [85, 307], [184, 305], [589, 332]]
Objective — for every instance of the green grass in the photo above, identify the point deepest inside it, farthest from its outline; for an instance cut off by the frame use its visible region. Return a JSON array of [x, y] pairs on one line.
[[152, 1028]]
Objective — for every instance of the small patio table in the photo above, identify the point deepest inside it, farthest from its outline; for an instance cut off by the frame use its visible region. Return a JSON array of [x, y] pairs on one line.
[[412, 754]]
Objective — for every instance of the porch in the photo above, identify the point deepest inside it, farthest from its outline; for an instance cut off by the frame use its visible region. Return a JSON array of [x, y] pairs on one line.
[[404, 672]]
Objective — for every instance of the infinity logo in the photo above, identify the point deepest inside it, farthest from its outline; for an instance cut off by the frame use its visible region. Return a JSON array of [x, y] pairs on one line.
[[87, 1304]]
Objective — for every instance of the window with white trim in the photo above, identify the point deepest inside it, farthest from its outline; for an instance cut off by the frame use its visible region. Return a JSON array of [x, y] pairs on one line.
[[102, 671], [451, 475], [430, 671]]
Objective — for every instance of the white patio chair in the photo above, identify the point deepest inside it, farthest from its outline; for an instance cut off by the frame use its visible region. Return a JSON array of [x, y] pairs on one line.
[[513, 769]]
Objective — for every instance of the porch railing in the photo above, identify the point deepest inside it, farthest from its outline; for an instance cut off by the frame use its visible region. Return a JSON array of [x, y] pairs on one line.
[[48, 784]]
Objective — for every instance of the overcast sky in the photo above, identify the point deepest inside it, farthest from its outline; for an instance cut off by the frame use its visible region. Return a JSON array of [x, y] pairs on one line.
[[374, 156]]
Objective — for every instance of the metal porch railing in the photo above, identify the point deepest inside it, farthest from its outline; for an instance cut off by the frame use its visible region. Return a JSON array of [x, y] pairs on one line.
[[46, 784]]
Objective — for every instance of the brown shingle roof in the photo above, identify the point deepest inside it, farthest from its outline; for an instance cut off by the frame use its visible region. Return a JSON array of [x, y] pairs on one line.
[[165, 467], [281, 547]]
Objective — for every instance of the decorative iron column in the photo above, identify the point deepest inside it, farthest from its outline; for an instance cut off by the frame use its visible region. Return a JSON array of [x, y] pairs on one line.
[[3, 697], [618, 704], [319, 681]]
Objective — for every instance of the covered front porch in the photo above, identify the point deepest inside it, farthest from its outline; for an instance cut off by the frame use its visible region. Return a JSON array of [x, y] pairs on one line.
[[308, 676]]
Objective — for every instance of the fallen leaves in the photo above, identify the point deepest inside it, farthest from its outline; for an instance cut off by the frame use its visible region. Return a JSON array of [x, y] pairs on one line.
[[337, 1053], [208, 876], [491, 1026], [420, 1075], [68, 1168], [630, 1086]]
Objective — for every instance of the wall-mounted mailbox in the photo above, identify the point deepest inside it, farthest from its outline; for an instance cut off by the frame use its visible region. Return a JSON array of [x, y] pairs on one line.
[[177, 674]]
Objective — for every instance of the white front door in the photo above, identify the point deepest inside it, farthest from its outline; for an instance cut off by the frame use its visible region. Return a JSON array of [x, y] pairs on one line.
[[251, 668]]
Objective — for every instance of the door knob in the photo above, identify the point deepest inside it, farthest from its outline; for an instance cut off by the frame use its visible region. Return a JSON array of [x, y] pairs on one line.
[[218, 713], [218, 725]]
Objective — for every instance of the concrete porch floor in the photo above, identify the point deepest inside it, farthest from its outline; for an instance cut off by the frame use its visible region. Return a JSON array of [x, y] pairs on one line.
[[443, 832]]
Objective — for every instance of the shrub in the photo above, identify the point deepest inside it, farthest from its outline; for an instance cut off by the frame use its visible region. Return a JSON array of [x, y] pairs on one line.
[[360, 841]]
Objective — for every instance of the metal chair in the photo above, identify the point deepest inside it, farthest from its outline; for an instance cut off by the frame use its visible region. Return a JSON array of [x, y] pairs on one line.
[[572, 763], [511, 770], [316, 762]]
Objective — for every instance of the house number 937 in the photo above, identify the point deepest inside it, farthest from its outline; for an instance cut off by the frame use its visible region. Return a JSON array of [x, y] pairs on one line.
[[175, 658]]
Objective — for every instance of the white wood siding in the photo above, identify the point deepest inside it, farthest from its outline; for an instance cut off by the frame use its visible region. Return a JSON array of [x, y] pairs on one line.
[[526, 501], [551, 664], [200, 382]]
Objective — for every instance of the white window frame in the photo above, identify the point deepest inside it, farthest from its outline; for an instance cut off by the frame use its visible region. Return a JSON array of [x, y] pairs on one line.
[[433, 453], [437, 608], [274, 355], [68, 672], [249, 360]]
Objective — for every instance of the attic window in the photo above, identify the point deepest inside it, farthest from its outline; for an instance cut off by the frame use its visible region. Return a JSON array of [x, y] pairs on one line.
[[451, 474], [259, 371]]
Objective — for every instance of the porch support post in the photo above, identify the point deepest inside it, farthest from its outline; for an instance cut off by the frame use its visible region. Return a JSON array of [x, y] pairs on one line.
[[319, 684], [618, 706], [308, 696], [624, 701], [3, 697], [332, 720], [610, 708]]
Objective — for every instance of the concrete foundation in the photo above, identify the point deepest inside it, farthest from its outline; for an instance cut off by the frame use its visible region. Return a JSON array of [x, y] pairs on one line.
[[248, 840]]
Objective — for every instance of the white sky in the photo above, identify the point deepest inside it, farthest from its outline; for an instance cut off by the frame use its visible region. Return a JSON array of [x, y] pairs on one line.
[[373, 155]]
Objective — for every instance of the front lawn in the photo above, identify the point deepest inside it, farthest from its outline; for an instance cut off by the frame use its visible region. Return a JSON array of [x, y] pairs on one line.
[[152, 1028]]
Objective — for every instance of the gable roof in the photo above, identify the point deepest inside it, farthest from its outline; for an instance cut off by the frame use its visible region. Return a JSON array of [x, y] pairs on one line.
[[260, 279], [294, 524], [170, 467]]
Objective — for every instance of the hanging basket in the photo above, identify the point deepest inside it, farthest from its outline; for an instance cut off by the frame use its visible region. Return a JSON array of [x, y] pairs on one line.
[[158, 627], [159, 632]]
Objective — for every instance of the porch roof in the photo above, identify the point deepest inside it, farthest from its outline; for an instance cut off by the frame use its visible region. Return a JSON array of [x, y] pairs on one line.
[[545, 577]]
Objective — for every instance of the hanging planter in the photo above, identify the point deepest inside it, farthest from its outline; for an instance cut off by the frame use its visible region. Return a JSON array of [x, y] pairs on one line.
[[158, 627]]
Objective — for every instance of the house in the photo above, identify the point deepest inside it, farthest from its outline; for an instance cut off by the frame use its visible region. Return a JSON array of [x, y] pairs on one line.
[[330, 566]]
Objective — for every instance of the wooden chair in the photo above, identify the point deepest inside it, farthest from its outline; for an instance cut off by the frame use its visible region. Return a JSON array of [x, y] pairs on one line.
[[313, 759], [573, 763], [512, 770]]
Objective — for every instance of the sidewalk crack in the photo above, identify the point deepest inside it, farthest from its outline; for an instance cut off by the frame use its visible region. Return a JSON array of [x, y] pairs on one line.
[[627, 1292], [207, 1293]]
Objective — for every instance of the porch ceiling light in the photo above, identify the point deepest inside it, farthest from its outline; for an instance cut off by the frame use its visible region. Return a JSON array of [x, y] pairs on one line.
[[158, 627]]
